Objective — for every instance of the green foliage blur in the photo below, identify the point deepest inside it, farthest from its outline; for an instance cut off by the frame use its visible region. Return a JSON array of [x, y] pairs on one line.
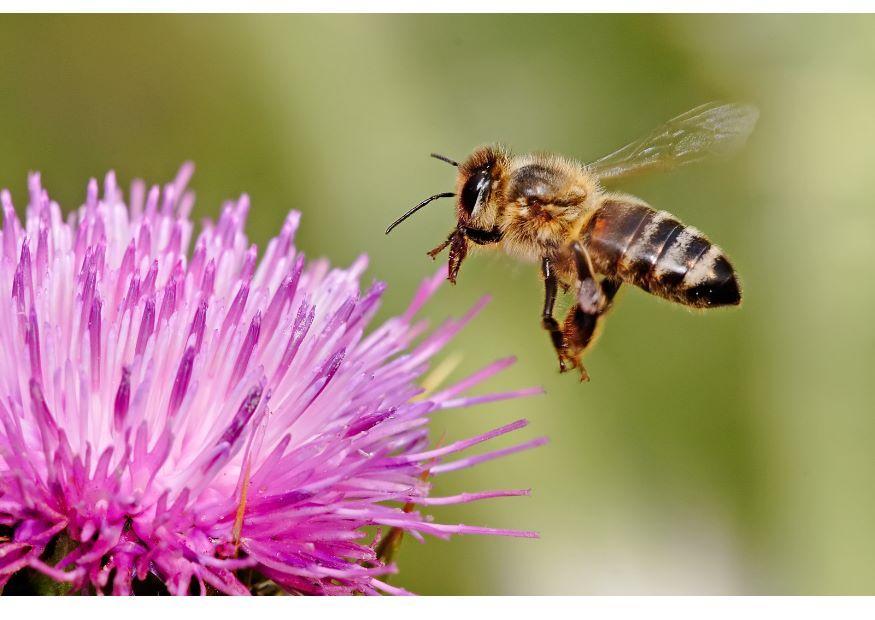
[[712, 453]]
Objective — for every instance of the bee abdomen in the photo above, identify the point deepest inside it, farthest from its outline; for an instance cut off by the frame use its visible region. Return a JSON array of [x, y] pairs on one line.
[[656, 252]]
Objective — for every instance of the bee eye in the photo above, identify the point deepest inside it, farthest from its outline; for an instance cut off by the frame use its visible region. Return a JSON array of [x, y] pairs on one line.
[[475, 187]]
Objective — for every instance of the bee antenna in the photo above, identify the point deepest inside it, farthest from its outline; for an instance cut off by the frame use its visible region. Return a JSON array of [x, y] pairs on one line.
[[446, 159], [417, 208]]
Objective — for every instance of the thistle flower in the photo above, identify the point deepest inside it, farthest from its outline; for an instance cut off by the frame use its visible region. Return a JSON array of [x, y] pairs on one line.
[[202, 421]]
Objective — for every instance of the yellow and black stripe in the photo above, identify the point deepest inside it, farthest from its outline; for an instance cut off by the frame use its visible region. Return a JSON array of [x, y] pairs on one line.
[[654, 251]]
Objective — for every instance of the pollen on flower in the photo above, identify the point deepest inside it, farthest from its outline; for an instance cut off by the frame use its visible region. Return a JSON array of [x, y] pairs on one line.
[[192, 418]]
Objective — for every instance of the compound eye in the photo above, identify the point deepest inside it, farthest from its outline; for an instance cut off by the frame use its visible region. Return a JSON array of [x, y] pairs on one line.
[[476, 185]]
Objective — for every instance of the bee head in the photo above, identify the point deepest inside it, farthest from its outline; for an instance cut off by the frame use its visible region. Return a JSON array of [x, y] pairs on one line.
[[478, 182], [477, 186]]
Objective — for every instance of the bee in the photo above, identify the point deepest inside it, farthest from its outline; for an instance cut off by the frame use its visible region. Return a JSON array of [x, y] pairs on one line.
[[589, 241]]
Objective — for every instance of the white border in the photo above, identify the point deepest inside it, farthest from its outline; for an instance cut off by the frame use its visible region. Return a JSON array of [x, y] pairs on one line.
[[442, 608], [676, 608], [435, 6]]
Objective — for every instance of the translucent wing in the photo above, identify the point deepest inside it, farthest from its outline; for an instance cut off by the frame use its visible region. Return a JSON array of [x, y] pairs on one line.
[[710, 130]]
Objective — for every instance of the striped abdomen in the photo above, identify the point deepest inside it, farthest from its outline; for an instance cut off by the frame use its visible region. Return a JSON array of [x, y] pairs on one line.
[[653, 250]]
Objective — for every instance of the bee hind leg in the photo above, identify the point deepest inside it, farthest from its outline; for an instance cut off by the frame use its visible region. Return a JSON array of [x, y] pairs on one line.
[[577, 332], [594, 299]]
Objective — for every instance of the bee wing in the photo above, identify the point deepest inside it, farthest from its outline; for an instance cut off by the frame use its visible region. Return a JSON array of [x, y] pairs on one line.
[[710, 130]]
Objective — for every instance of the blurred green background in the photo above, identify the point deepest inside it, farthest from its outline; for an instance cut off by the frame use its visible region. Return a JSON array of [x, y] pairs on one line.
[[727, 452]]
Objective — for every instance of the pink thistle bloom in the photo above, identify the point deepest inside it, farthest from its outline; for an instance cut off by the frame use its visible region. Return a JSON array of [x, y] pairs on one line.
[[191, 419]]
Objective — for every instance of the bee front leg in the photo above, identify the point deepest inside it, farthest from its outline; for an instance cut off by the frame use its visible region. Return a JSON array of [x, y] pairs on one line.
[[458, 245], [593, 300], [547, 320]]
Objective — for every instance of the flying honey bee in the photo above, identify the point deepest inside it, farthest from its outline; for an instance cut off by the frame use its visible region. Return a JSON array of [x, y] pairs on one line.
[[553, 210]]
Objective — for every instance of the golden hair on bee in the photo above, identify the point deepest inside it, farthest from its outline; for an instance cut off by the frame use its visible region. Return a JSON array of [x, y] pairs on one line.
[[553, 210]]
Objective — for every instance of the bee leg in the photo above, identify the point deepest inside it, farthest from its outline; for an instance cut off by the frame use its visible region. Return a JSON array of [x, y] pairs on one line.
[[578, 331], [433, 253], [458, 252], [609, 287], [593, 300], [458, 245], [547, 320]]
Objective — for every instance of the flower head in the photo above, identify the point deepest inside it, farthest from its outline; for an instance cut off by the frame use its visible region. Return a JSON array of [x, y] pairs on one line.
[[191, 419]]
